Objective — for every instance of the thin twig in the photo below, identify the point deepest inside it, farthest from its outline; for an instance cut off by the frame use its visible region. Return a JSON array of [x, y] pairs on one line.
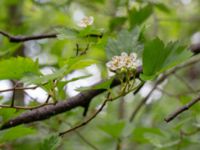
[[17, 39], [182, 109], [19, 88], [144, 100], [189, 87], [87, 121], [13, 98], [26, 107], [159, 81]]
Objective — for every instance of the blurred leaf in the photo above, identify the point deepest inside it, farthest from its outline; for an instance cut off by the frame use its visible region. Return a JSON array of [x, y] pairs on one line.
[[8, 50], [141, 134], [15, 133], [81, 62], [68, 66], [114, 129], [103, 85], [51, 143], [85, 32], [8, 113], [162, 7], [158, 58], [16, 68], [116, 22], [61, 93], [45, 78], [126, 42], [67, 33], [138, 16]]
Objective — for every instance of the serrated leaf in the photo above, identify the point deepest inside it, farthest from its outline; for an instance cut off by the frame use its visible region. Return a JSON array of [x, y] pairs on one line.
[[15, 133], [50, 143], [126, 42], [158, 58], [18, 67]]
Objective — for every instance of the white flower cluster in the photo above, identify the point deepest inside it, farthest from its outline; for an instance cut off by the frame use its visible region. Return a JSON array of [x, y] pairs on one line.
[[124, 61], [86, 21]]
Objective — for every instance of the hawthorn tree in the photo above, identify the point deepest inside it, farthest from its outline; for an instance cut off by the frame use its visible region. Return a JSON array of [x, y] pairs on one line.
[[134, 66]]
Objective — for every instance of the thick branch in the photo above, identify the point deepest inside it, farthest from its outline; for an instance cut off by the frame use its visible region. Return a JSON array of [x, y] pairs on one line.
[[51, 110], [48, 111]]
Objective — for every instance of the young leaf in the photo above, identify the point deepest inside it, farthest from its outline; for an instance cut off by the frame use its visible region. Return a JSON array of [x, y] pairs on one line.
[[16, 68], [158, 58], [45, 78], [67, 33], [137, 17], [15, 133], [162, 7], [126, 42]]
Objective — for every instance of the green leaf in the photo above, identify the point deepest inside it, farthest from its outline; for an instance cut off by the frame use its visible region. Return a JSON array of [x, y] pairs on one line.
[[162, 7], [158, 58], [15, 133], [61, 93], [67, 33], [68, 66], [116, 22], [45, 78], [8, 113], [16, 68], [8, 50], [114, 129], [103, 85], [81, 63], [126, 42], [89, 31], [142, 134], [50, 143], [138, 16]]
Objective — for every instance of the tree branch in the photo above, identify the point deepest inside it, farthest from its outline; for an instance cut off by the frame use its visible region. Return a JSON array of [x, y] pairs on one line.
[[81, 99], [159, 81], [18, 39], [182, 109], [48, 111]]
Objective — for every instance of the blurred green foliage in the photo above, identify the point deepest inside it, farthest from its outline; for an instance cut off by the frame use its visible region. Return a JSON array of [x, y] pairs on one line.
[[119, 25]]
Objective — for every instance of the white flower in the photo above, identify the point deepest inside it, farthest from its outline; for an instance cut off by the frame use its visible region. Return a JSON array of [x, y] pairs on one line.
[[86, 21], [124, 61]]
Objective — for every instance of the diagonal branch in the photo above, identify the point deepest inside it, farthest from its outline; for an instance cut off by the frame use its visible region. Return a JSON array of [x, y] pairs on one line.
[[48, 111], [159, 81], [182, 109]]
